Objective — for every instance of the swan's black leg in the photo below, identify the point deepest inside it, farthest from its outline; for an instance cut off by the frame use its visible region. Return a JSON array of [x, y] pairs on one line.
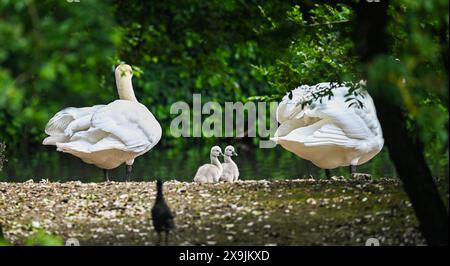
[[167, 238], [352, 169], [328, 173], [106, 175], [128, 172]]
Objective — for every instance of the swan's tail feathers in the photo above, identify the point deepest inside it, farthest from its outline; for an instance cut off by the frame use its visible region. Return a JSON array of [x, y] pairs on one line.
[[62, 120], [79, 146], [58, 123], [91, 141], [52, 140]]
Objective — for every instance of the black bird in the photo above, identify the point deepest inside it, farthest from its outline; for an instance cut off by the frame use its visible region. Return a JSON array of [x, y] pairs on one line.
[[162, 216]]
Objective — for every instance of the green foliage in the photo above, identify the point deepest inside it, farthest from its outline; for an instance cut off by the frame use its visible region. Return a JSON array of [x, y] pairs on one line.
[[3, 242], [41, 238], [2, 155], [318, 52], [55, 54], [187, 47], [38, 238], [415, 74]]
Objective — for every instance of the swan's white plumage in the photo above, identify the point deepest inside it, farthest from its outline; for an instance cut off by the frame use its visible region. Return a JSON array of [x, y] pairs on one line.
[[329, 132], [210, 173], [230, 171], [61, 122], [105, 135]]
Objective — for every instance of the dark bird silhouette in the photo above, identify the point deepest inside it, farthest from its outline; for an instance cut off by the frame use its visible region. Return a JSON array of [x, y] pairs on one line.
[[162, 216]]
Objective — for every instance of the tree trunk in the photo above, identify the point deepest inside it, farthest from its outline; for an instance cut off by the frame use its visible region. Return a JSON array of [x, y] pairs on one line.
[[407, 154], [405, 150]]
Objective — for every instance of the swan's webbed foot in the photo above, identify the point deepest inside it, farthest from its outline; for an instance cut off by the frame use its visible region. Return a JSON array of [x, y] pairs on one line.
[[128, 170], [106, 175]]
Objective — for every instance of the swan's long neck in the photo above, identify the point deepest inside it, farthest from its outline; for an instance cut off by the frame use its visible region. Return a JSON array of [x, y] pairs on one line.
[[228, 159], [215, 161], [125, 87]]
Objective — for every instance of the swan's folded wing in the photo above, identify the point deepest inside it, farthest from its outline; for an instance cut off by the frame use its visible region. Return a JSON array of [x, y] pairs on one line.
[[285, 110], [369, 115], [302, 119], [300, 101], [320, 134], [346, 118], [288, 109], [62, 125], [92, 140], [131, 123], [286, 127], [328, 134]]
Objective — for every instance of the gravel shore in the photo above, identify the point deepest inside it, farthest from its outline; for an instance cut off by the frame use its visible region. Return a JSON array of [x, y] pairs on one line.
[[288, 212]]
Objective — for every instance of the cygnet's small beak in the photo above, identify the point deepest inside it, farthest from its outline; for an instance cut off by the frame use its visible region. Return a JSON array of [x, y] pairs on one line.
[[235, 153]]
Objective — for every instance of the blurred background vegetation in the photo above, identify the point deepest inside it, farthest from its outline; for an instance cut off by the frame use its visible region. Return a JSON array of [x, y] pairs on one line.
[[55, 54]]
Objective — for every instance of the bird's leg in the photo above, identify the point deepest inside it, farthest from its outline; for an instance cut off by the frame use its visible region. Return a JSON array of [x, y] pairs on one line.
[[167, 238], [328, 173], [352, 169], [128, 172], [158, 242], [106, 175]]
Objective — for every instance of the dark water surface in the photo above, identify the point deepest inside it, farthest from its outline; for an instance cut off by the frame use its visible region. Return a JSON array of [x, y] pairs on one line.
[[168, 163]]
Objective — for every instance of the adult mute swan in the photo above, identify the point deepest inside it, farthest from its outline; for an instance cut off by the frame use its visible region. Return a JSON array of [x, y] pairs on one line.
[[210, 173], [106, 135], [329, 132], [230, 169]]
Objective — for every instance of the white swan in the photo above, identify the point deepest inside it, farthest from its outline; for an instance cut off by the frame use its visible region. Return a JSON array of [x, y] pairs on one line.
[[330, 132], [106, 135], [230, 169], [210, 173]]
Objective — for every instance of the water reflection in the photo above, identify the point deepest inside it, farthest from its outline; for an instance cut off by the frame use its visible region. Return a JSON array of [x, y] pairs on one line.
[[168, 163]]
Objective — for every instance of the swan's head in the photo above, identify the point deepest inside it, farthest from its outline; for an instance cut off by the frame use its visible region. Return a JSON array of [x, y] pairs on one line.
[[229, 151], [216, 151], [124, 85], [123, 70]]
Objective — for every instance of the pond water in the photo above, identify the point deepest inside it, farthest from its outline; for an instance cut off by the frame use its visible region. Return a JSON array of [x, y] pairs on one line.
[[168, 163]]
